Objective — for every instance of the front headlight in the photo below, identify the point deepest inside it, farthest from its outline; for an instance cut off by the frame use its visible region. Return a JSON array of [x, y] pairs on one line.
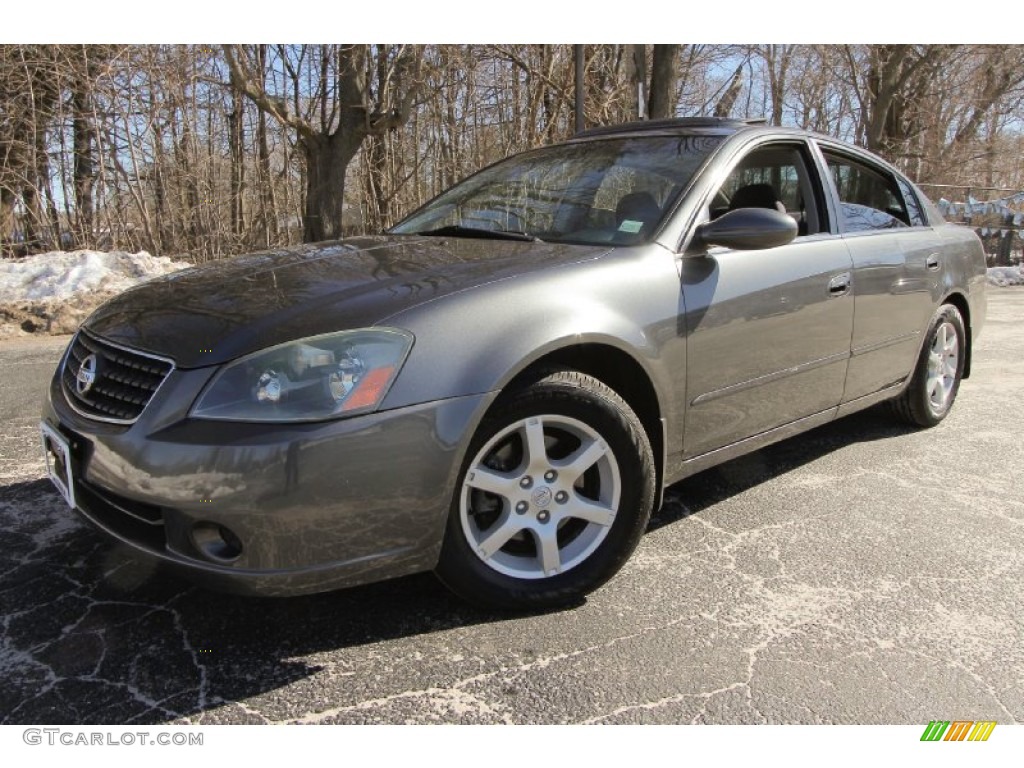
[[322, 377]]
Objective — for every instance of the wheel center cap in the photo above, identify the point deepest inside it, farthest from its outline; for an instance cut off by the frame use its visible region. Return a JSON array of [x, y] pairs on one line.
[[542, 497]]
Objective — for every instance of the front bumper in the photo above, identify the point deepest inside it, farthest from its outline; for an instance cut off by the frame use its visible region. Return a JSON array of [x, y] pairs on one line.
[[314, 507]]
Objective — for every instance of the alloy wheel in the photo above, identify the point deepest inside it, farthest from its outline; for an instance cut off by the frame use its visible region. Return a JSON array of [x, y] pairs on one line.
[[540, 496], [943, 362]]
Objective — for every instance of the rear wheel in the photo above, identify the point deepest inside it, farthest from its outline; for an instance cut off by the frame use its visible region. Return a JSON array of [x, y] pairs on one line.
[[936, 379], [555, 493]]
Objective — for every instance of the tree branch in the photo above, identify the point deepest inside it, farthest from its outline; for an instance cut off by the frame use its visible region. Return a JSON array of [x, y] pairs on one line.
[[244, 81]]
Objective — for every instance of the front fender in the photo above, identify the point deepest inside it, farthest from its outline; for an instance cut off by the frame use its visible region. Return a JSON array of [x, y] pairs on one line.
[[479, 340]]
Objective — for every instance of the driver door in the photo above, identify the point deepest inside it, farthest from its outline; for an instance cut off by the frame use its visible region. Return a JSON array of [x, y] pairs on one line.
[[768, 331]]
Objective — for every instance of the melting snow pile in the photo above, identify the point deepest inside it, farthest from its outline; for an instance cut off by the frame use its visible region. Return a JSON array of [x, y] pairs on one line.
[[1004, 276], [54, 292]]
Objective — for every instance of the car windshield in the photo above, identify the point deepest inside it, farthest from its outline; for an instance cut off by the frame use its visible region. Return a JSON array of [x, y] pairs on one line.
[[613, 191]]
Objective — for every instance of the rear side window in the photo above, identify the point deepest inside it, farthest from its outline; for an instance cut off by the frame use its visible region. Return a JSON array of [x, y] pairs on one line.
[[869, 197]]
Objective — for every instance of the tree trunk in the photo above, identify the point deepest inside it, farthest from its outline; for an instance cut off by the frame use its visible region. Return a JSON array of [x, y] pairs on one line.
[[375, 157], [1005, 247], [663, 82], [579, 109], [84, 163], [639, 87], [8, 246], [236, 142], [728, 100], [268, 208], [190, 183], [327, 157], [894, 78], [32, 218], [633, 62], [777, 59]]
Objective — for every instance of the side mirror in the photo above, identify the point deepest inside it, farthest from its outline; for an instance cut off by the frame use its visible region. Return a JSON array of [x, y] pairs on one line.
[[746, 229]]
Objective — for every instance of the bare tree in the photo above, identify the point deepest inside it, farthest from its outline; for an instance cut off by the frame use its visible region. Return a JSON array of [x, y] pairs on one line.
[[206, 150], [332, 109]]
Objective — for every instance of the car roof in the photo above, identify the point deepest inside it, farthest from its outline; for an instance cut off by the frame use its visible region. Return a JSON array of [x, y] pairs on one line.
[[717, 125], [722, 126]]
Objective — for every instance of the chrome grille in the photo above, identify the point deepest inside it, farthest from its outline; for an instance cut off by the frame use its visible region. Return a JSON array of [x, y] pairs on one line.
[[123, 380]]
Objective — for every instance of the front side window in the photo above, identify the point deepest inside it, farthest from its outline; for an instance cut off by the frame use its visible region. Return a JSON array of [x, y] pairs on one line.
[[869, 198], [772, 176], [613, 191]]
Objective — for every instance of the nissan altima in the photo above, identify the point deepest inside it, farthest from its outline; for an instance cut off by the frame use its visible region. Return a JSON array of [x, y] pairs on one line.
[[499, 388]]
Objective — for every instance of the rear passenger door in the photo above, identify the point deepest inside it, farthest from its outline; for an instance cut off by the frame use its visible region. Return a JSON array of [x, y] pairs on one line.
[[893, 251]]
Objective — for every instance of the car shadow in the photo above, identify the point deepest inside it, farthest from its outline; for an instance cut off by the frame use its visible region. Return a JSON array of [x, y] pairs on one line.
[[707, 488], [92, 636]]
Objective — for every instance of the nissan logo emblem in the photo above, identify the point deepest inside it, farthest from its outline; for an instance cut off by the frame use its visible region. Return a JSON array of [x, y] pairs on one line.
[[86, 375]]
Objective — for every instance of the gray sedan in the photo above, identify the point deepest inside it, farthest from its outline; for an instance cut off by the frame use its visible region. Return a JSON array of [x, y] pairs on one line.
[[500, 387]]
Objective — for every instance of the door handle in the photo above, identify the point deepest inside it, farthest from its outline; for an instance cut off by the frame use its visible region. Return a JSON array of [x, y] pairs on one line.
[[932, 262], [839, 285]]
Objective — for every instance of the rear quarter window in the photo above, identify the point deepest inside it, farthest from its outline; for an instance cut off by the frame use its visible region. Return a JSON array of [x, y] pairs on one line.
[[917, 217]]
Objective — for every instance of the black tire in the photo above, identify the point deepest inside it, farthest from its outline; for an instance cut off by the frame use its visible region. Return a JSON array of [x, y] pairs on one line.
[[927, 400], [574, 412]]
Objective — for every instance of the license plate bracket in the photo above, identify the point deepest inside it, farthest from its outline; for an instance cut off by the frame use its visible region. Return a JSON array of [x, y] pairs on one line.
[[57, 455]]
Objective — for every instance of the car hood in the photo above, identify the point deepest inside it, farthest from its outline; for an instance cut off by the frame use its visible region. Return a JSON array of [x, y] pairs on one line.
[[217, 312]]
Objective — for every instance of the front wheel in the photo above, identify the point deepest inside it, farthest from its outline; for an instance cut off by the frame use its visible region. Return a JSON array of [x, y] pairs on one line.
[[555, 493], [936, 379]]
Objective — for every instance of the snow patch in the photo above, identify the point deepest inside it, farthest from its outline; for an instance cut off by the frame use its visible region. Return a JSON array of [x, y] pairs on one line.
[[54, 292], [61, 275], [1005, 276]]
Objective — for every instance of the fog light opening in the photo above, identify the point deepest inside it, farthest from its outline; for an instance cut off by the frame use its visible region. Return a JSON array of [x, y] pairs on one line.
[[216, 542]]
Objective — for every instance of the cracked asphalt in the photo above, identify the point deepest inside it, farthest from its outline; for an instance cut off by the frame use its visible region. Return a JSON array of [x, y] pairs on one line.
[[862, 573]]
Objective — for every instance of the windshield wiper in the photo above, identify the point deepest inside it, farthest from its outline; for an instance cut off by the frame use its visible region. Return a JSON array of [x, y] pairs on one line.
[[458, 230]]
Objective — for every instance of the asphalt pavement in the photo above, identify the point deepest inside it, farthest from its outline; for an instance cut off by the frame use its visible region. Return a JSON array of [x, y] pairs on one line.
[[862, 573]]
